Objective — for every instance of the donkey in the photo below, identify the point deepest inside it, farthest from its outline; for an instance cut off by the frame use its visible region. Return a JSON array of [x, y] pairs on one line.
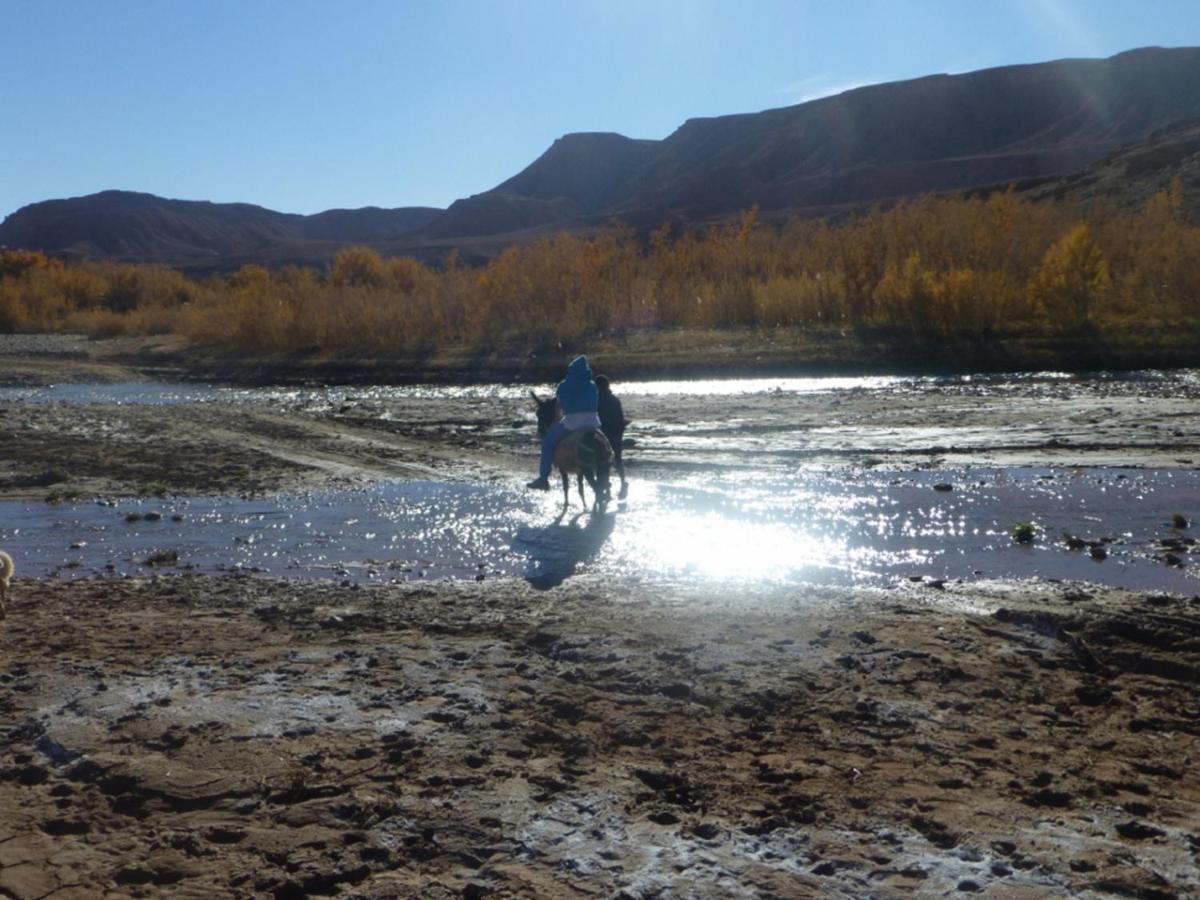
[[584, 453]]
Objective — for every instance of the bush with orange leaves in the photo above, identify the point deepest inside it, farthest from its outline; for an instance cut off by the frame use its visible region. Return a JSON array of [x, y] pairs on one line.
[[950, 267]]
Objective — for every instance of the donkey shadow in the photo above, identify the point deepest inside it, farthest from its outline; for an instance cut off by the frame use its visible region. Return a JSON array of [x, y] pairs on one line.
[[557, 550]]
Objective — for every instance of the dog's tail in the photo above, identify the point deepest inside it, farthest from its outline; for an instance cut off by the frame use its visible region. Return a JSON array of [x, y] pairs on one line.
[[6, 566]]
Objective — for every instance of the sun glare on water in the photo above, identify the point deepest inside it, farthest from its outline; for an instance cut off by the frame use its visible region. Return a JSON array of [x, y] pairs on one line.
[[714, 546]]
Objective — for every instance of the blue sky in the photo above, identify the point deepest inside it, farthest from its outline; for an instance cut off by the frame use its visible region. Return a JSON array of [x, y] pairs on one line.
[[302, 106]]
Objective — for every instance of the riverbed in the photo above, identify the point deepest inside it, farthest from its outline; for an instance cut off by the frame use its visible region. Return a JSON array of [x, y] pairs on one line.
[[842, 481], [323, 642]]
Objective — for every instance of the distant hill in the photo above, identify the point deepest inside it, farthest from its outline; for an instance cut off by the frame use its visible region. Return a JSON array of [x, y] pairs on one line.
[[145, 228], [367, 225], [869, 145], [1128, 178]]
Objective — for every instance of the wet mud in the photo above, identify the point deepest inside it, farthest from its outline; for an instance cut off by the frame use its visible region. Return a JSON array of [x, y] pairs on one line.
[[190, 736], [120, 438]]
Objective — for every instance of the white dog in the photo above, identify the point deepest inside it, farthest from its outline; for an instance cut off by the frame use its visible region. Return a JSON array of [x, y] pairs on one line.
[[6, 572]]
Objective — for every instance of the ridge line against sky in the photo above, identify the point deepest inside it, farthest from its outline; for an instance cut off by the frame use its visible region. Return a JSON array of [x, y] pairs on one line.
[[303, 106]]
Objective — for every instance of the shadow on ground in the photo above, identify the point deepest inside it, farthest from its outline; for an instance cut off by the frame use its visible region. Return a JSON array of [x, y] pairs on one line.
[[557, 550]]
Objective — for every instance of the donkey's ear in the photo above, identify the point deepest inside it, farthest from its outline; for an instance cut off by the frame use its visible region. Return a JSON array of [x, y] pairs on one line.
[[534, 395]]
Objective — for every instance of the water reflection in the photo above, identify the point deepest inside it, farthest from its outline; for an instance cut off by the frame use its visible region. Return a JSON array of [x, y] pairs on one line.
[[803, 527], [333, 396], [712, 546]]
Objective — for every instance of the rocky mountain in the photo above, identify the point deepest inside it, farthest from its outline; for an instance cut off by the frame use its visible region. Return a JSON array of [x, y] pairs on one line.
[[1128, 178], [874, 144], [869, 145], [577, 177]]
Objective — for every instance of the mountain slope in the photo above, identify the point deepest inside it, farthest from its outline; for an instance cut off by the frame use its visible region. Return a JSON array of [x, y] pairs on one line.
[[130, 225], [142, 227], [367, 225], [578, 176], [1135, 173], [941, 132], [869, 145]]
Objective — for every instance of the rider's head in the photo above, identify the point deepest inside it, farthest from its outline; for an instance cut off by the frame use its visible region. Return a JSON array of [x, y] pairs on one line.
[[602, 384]]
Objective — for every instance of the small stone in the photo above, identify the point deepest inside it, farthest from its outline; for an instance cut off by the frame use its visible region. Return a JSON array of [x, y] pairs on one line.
[[1137, 831], [1093, 695], [676, 691]]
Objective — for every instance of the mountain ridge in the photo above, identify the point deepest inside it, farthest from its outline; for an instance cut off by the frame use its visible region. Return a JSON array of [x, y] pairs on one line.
[[141, 227], [867, 145]]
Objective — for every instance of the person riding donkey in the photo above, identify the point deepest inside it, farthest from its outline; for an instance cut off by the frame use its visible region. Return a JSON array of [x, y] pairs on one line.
[[579, 401]]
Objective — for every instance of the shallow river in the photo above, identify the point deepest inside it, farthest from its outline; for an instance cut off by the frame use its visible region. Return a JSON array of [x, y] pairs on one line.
[[156, 393], [791, 524]]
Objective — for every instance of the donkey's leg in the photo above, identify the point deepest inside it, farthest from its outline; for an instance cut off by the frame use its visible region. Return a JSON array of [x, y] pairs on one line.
[[566, 489], [590, 475], [603, 483], [579, 481]]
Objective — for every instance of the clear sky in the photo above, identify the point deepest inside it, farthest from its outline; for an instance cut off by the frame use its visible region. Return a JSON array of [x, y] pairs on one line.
[[301, 106]]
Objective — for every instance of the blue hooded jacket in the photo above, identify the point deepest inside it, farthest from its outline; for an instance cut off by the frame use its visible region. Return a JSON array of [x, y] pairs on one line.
[[578, 393]]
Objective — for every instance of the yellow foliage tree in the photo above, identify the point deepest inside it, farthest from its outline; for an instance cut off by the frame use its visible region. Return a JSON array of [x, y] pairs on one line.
[[358, 267], [1072, 276]]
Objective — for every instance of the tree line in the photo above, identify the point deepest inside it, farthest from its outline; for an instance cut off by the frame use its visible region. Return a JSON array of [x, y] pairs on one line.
[[948, 267]]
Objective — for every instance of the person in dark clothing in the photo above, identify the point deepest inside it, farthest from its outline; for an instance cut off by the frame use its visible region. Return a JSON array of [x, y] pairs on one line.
[[612, 423]]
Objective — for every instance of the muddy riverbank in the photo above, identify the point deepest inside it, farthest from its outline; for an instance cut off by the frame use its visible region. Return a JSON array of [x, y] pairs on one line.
[[238, 737], [638, 354]]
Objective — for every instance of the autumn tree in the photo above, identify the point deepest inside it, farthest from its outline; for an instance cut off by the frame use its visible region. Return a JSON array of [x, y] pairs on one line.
[[358, 267], [1073, 274]]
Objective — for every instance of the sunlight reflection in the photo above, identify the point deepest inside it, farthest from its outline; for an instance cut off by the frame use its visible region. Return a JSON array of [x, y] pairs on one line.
[[802, 527], [715, 546]]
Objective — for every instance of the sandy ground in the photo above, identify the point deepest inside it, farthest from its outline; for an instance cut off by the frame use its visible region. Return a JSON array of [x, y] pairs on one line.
[[191, 736], [235, 737]]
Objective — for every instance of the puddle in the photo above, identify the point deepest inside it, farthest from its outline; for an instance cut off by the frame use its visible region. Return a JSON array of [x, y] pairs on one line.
[[838, 528]]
